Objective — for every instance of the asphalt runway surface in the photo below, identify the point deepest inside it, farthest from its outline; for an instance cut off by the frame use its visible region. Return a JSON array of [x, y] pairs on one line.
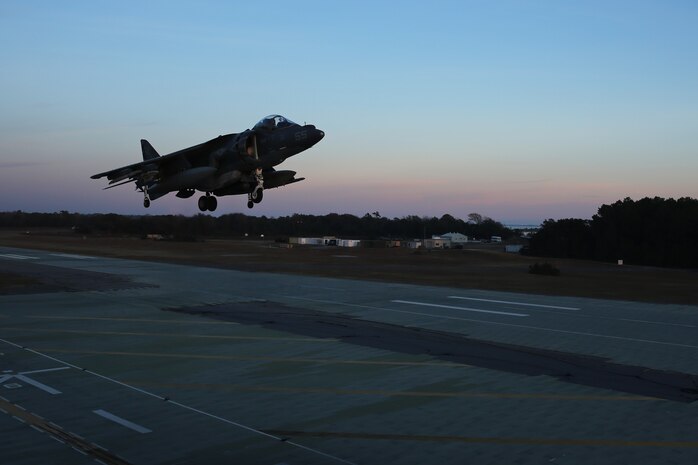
[[129, 362]]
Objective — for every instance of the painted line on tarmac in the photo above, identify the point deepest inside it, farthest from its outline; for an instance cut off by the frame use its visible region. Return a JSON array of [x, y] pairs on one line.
[[68, 255], [18, 257], [75, 441], [135, 320], [452, 307], [388, 393], [498, 323], [383, 309], [241, 358], [183, 335], [38, 385], [44, 371], [512, 303], [122, 421], [183, 406], [488, 440]]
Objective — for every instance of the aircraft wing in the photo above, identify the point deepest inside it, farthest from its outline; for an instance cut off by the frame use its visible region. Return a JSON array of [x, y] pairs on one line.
[[152, 169]]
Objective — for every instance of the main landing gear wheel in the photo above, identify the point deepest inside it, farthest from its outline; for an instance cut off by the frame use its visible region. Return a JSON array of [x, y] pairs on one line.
[[146, 202], [207, 202]]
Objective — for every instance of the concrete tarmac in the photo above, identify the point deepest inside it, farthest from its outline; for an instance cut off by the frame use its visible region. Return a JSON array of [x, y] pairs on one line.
[[106, 368]]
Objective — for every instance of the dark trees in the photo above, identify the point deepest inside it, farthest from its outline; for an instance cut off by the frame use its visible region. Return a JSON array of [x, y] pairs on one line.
[[370, 226], [650, 231]]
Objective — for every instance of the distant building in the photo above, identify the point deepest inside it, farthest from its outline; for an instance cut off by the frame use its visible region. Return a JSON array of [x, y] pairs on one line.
[[513, 248], [305, 240], [413, 244], [456, 238], [437, 242], [327, 240], [496, 239]]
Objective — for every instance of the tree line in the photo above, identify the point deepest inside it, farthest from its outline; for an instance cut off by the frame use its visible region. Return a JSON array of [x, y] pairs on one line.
[[369, 226], [650, 231]]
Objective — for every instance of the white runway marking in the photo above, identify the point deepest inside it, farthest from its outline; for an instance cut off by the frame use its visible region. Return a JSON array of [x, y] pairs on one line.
[[28, 380], [123, 422], [498, 323], [44, 371], [37, 384], [18, 257], [184, 406], [451, 307], [68, 255], [512, 303]]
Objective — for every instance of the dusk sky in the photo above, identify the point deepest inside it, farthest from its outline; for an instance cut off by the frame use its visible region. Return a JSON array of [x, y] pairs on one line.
[[518, 110]]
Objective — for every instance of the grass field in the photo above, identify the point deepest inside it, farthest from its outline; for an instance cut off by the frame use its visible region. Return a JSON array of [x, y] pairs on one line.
[[484, 266]]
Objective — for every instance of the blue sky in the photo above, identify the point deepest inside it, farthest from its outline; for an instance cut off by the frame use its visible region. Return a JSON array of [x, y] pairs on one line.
[[518, 110]]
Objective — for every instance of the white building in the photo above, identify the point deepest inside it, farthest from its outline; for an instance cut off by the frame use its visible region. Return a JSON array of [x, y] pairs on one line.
[[456, 238], [327, 240], [306, 240], [437, 242], [330, 240]]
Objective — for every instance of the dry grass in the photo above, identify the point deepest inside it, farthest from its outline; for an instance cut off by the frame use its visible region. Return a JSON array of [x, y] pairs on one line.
[[482, 268]]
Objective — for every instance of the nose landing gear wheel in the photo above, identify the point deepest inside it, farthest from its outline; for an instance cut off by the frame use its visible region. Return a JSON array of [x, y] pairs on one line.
[[250, 204]]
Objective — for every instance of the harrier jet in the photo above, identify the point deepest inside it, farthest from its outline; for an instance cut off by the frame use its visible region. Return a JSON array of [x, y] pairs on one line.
[[232, 164]]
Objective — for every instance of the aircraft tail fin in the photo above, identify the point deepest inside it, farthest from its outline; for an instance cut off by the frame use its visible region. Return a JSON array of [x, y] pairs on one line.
[[148, 151]]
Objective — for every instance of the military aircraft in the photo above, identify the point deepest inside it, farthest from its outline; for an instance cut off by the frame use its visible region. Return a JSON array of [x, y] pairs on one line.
[[232, 164]]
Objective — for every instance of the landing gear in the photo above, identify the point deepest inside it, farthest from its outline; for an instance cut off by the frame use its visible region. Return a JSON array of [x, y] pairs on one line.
[[208, 202], [258, 193], [146, 197], [255, 196]]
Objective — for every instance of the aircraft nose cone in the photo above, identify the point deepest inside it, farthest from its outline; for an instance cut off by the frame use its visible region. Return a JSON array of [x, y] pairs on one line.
[[314, 134]]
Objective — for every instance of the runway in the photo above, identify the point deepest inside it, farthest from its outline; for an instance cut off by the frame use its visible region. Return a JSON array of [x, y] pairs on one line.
[[130, 362]]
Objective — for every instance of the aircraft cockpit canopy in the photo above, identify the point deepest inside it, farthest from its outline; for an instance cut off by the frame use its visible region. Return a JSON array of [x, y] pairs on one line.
[[272, 122]]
